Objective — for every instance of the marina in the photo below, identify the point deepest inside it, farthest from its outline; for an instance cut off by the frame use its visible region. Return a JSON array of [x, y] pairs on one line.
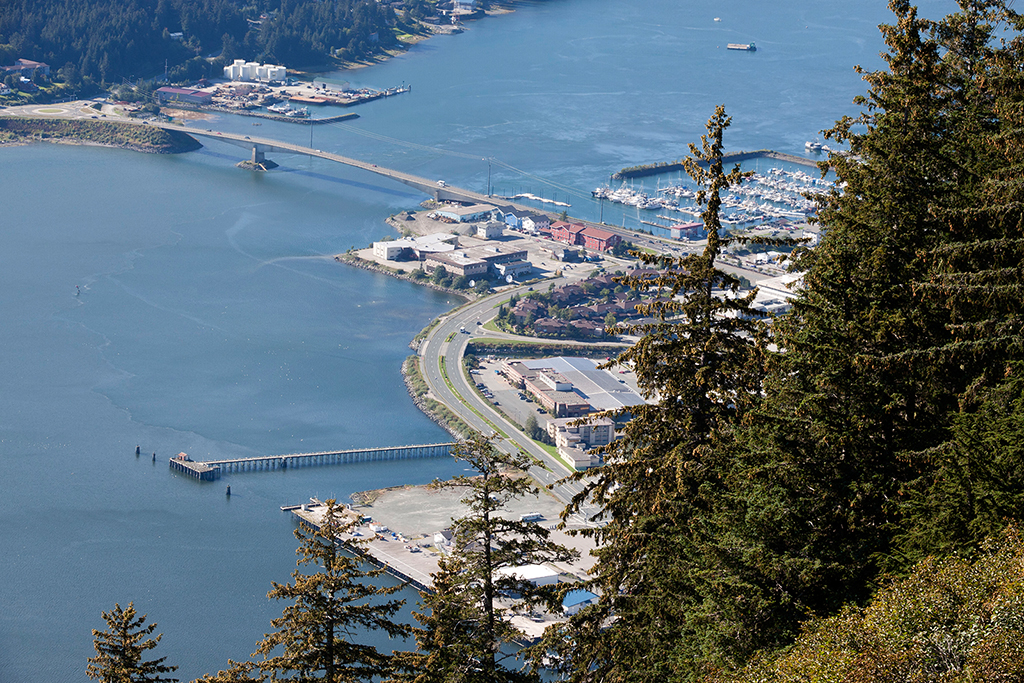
[[762, 196]]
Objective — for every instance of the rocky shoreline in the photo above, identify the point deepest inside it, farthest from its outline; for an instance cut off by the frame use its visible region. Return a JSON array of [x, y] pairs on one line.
[[353, 260], [138, 138], [436, 411]]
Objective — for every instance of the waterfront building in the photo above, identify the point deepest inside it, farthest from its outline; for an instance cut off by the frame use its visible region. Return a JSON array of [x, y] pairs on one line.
[[465, 214], [690, 231], [415, 248]]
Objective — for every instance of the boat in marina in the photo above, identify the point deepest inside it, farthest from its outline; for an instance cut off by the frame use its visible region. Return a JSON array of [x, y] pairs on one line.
[[282, 108], [298, 113], [749, 47], [812, 146]]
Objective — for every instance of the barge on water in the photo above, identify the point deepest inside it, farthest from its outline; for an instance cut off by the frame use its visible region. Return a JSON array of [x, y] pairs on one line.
[[749, 47]]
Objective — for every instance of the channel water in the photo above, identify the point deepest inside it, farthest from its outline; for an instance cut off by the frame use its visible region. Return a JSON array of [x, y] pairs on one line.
[[180, 304]]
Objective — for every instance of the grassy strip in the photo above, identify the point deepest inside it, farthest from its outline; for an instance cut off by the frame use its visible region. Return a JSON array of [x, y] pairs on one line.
[[553, 452], [523, 348], [436, 410]]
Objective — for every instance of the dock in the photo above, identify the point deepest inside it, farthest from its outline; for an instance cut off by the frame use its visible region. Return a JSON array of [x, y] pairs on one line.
[[197, 470], [386, 549], [210, 470]]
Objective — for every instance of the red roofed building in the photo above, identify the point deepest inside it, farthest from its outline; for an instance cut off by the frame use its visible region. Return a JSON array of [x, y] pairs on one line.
[[567, 232], [594, 239], [597, 239]]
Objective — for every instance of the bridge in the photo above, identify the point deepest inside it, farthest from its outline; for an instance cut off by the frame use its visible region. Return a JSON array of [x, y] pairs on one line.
[[209, 470], [261, 146]]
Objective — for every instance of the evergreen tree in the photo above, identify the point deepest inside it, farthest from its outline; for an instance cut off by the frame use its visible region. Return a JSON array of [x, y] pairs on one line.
[[121, 647], [237, 672], [330, 606], [466, 623], [663, 611], [950, 620]]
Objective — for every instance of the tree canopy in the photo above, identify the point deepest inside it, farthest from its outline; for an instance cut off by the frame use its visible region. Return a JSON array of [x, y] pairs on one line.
[[121, 647], [108, 40]]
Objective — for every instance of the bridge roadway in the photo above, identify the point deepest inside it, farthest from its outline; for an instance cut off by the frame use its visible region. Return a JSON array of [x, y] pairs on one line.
[[261, 146]]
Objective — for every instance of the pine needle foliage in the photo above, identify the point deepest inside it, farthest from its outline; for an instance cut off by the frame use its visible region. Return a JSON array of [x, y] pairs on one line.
[[466, 633], [121, 647], [663, 610], [331, 608], [950, 620]]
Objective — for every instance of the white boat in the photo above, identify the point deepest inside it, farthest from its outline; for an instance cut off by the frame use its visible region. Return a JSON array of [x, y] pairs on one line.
[[749, 47], [282, 108], [298, 113], [812, 146]]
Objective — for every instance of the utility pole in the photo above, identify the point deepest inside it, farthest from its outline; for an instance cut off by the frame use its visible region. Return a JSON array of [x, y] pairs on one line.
[[488, 173]]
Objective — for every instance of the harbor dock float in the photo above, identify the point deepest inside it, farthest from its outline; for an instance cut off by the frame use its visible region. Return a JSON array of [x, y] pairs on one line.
[[210, 470]]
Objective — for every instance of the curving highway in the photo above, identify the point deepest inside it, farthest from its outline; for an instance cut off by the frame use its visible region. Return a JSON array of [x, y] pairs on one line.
[[434, 348]]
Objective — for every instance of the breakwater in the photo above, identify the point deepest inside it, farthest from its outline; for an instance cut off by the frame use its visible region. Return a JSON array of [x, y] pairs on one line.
[[730, 158], [275, 117]]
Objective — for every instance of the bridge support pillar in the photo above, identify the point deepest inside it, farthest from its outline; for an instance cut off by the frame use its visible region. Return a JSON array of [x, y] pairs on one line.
[[259, 160]]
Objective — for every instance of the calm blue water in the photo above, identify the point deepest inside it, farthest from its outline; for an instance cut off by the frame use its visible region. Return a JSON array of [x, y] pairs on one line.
[[212, 320]]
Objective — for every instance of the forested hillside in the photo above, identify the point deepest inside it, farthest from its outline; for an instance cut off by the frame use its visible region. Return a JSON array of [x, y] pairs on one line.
[[107, 40]]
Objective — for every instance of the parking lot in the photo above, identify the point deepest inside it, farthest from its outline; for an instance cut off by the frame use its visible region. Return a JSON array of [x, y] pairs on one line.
[[518, 405]]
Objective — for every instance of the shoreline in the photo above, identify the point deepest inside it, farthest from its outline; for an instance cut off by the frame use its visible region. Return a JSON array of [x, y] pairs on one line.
[[145, 139], [355, 261], [312, 71]]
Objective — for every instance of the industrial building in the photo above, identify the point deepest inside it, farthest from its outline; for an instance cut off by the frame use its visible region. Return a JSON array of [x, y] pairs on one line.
[[464, 214], [415, 248], [241, 70]]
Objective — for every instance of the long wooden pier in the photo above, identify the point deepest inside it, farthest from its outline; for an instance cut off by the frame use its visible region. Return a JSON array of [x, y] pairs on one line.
[[210, 470]]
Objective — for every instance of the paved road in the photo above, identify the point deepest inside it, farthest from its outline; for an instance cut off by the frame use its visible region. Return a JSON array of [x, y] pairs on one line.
[[434, 348]]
